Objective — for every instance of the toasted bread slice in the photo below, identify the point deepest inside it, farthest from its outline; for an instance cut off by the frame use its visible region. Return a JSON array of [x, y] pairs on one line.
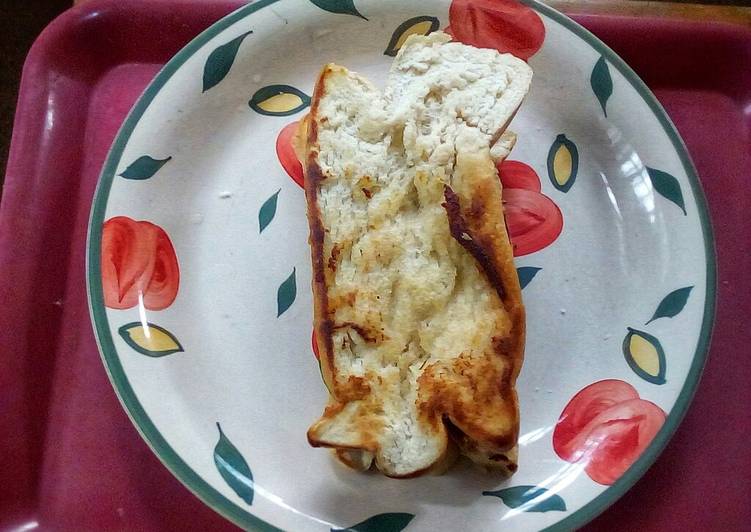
[[418, 310]]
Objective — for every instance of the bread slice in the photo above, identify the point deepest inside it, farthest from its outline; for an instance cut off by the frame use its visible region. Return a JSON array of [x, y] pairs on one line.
[[418, 310]]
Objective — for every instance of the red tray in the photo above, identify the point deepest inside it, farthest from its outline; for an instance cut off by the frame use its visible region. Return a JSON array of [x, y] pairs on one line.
[[71, 460]]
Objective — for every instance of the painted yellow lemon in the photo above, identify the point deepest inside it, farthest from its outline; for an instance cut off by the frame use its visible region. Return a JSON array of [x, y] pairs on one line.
[[150, 340], [422, 25], [279, 100], [563, 163], [645, 356]]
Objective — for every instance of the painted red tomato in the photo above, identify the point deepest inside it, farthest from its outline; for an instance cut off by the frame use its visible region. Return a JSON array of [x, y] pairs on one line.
[[606, 427], [314, 343], [506, 25], [286, 154], [138, 260], [533, 220], [583, 408], [516, 174]]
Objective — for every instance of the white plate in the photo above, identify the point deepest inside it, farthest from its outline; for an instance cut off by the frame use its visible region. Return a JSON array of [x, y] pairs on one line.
[[222, 271]]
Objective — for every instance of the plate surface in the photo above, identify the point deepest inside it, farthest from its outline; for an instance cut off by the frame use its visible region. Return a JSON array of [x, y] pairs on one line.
[[203, 311]]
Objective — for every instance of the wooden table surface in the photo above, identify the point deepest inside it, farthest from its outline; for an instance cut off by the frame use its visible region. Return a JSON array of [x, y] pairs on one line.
[[738, 14]]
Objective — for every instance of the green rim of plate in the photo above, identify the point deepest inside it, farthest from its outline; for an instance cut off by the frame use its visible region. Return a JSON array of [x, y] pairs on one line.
[[222, 504]]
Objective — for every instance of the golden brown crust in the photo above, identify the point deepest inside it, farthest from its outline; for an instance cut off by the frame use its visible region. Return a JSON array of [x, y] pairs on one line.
[[470, 401], [492, 416], [481, 203], [322, 323], [470, 241], [313, 176]]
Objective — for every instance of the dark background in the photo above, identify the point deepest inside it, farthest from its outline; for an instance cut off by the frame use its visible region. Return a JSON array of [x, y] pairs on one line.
[[21, 21]]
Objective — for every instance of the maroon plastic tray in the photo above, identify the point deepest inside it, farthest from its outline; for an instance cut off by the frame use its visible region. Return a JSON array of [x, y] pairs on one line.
[[71, 459]]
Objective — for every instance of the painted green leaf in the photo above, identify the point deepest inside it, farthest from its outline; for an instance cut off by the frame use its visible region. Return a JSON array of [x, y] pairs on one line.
[[152, 340], [563, 163], [144, 167], [645, 356], [220, 61], [233, 467], [668, 186], [268, 211], [343, 7], [423, 25], [389, 522], [279, 100], [672, 304], [602, 83], [526, 274], [286, 294], [529, 499]]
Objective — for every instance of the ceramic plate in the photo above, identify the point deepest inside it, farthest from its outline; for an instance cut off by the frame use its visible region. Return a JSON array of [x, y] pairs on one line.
[[199, 271]]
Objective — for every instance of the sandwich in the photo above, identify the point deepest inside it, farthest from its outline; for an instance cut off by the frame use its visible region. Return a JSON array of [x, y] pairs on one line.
[[417, 306]]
